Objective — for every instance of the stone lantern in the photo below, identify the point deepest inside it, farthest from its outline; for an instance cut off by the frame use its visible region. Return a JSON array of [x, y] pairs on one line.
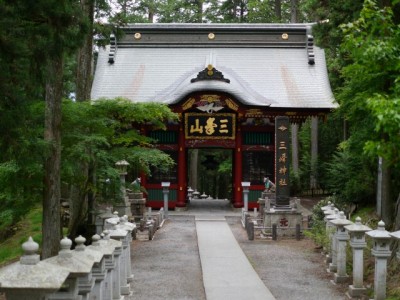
[[326, 207], [341, 240], [357, 242], [80, 280], [381, 251], [189, 193], [329, 210], [30, 278], [123, 206], [196, 194], [98, 270], [122, 167]]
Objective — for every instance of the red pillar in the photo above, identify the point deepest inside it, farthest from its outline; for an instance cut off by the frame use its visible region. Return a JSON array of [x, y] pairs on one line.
[[182, 172], [237, 185]]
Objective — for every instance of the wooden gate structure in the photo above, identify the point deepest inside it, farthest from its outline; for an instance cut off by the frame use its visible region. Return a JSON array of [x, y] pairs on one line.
[[228, 83]]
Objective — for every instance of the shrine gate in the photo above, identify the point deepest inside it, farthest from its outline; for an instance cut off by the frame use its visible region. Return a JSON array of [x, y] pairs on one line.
[[228, 83]]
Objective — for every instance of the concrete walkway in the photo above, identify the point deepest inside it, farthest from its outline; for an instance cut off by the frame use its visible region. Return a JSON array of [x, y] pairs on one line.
[[227, 273]]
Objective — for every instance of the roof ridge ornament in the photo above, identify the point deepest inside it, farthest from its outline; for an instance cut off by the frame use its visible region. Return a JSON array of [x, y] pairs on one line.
[[113, 48], [310, 49], [210, 73]]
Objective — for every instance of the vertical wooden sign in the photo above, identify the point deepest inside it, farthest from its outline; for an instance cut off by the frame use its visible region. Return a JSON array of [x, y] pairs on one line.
[[282, 146]]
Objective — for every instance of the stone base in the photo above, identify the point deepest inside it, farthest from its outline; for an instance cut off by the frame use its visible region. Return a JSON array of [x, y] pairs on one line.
[[126, 290], [181, 208], [340, 279], [328, 260], [354, 292], [236, 209], [142, 235], [138, 207], [286, 221], [332, 268]]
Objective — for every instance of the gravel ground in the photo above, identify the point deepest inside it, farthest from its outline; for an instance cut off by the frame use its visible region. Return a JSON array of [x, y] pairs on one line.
[[292, 270], [169, 266]]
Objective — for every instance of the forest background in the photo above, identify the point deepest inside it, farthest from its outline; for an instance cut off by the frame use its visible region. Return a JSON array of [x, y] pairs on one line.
[[52, 138]]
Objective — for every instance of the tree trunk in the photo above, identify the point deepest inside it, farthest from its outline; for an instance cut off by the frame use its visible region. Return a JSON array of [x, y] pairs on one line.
[[294, 11], [397, 214], [314, 152], [278, 10], [384, 205], [51, 230], [345, 130], [78, 200], [85, 57], [200, 11]]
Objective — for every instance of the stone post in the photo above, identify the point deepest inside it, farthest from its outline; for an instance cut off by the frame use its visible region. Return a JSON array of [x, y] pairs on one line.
[[122, 236], [161, 216], [246, 186], [267, 204], [98, 269], [100, 272], [110, 263], [331, 257], [101, 219], [357, 242], [341, 239], [30, 278], [149, 211], [130, 227], [80, 280], [116, 250], [381, 251], [111, 222], [165, 186]]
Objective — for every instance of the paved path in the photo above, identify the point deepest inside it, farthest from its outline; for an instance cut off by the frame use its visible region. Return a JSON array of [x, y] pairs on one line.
[[227, 274]]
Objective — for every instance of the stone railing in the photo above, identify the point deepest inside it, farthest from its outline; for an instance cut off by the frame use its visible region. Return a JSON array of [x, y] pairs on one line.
[[100, 271], [340, 231]]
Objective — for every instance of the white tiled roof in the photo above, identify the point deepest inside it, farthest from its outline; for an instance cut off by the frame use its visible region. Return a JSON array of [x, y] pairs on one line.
[[276, 77]]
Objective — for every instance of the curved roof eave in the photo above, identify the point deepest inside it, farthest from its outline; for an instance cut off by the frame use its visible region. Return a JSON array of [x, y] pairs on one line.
[[235, 88]]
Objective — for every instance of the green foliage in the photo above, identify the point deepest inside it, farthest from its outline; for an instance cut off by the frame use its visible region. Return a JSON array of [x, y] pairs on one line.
[[30, 225], [328, 35], [329, 135], [349, 178], [101, 133], [215, 169], [386, 113], [318, 228], [368, 66]]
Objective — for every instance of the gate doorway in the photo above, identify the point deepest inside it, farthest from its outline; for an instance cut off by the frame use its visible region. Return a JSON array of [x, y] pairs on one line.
[[210, 172]]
